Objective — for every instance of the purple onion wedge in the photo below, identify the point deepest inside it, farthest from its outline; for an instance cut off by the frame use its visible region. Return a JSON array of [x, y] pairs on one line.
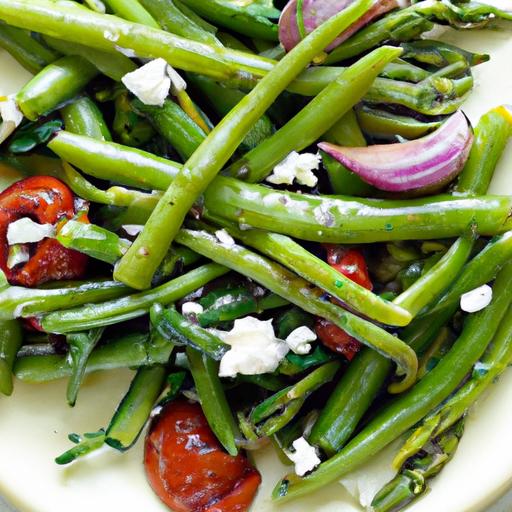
[[315, 12], [420, 166]]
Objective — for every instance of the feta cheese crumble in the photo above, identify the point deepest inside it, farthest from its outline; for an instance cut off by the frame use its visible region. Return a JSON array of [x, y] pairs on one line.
[[11, 117], [298, 340], [296, 167], [224, 238], [476, 299], [254, 348], [152, 82], [191, 308], [25, 230], [133, 229], [304, 457]]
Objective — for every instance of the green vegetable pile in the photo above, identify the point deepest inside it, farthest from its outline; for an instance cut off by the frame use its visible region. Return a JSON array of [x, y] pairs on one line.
[[160, 181]]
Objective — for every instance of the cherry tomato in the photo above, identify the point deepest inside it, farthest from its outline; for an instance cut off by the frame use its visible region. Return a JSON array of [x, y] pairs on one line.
[[188, 468], [45, 200], [336, 339], [350, 263]]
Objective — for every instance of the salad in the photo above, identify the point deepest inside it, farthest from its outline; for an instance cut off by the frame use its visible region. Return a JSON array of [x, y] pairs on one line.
[[277, 214]]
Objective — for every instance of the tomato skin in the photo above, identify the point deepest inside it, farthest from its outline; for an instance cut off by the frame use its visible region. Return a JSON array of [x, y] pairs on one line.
[[350, 263], [45, 200], [188, 468], [336, 339]]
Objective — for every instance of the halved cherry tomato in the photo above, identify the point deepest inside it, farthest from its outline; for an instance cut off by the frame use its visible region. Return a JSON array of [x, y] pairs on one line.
[[336, 339], [350, 263], [45, 200], [188, 469]]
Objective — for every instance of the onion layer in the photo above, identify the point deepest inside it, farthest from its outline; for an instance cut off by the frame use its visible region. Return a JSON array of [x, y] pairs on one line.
[[315, 12], [421, 165]]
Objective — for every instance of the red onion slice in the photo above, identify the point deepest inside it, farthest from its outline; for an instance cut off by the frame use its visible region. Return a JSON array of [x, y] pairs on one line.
[[316, 12], [421, 165]]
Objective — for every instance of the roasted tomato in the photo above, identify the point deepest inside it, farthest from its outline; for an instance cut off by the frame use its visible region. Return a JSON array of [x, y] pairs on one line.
[[45, 200], [188, 469], [350, 263]]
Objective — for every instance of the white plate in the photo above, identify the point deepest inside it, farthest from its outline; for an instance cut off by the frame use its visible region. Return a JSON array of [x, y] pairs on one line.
[[35, 421]]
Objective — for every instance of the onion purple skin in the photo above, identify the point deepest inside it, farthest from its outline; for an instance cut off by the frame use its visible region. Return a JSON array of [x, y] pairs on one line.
[[316, 12], [420, 167]]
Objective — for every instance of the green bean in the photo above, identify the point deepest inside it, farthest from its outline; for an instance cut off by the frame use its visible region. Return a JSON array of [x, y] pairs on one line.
[[10, 342], [432, 283], [135, 408], [184, 135], [227, 304], [85, 118], [349, 401], [81, 345], [130, 128], [113, 65], [140, 262], [222, 99], [176, 21], [389, 28], [440, 54], [316, 271], [132, 10], [403, 413], [205, 372], [290, 399], [386, 125], [361, 221], [433, 96], [346, 132], [491, 135], [410, 483], [16, 301], [181, 331], [316, 118], [237, 68], [129, 351], [243, 19], [339, 219], [103, 245], [482, 269], [403, 70], [296, 290], [31, 54], [54, 85], [358, 387], [493, 363], [114, 162], [100, 314]]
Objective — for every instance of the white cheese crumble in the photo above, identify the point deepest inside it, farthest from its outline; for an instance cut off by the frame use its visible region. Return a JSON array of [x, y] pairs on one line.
[[25, 230], [11, 117], [298, 340], [224, 238], [296, 167], [254, 348], [304, 457], [133, 229], [152, 82], [191, 308], [476, 299]]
